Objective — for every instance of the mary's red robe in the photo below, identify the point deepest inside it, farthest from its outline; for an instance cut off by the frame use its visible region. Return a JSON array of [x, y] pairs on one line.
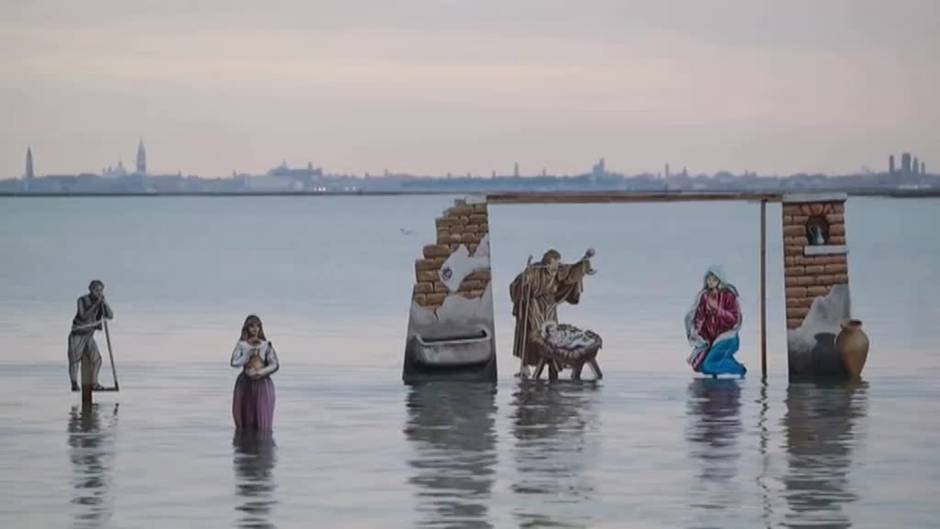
[[710, 322]]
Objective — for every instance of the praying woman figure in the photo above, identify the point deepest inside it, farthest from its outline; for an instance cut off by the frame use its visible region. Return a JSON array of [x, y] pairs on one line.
[[253, 398], [712, 326]]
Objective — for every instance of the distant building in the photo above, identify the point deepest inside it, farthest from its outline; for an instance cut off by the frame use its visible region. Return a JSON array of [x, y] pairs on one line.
[[923, 168], [269, 183], [906, 163], [891, 164], [515, 170], [667, 171], [117, 171], [916, 166], [141, 158], [29, 175], [285, 178], [303, 173], [599, 170]]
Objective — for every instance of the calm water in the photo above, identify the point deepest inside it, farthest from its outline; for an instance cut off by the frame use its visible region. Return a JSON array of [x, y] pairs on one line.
[[650, 446]]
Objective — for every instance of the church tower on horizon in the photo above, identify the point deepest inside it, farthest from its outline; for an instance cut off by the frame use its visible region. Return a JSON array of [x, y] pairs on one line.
[[29, 174], [141, 158]]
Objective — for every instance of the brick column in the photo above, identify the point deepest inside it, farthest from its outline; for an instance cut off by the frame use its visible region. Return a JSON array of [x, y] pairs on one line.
[[816, 280]]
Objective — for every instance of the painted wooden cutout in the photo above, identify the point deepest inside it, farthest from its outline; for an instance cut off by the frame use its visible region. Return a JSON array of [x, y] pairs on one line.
[[712, 326], [253, 397], [92, 311], [817, 283], [539, 340], [450, 324]]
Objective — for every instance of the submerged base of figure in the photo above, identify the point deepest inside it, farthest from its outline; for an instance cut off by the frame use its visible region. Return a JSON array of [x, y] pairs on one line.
[[555, 369], [415, 372]]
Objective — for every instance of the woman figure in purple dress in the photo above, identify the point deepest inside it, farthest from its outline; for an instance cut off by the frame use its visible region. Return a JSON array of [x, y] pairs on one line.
[[253, 399]]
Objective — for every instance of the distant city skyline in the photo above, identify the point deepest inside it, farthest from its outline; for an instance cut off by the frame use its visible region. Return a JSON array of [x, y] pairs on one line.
[[909, 166], [446, 86]]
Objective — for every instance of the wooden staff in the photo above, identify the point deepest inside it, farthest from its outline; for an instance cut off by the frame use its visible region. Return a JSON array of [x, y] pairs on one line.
[[526, 290], [107, 337]]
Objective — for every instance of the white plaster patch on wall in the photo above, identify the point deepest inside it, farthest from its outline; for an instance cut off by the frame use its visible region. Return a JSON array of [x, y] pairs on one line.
[[483, 249], [457, 310], [460, 264], [825, 316]]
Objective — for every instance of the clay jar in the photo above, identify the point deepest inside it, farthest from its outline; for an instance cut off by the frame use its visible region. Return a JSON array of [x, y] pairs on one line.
[[852, 344]]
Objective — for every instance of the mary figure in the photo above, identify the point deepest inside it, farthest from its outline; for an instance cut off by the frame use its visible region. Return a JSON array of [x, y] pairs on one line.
[[712, 325]]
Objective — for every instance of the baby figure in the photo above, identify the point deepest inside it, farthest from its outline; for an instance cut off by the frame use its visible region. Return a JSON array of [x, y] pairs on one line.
[[551, 332]]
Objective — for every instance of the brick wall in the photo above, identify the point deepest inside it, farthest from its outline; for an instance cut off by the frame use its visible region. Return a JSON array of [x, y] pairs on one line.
[[810, 276], [465, 224]]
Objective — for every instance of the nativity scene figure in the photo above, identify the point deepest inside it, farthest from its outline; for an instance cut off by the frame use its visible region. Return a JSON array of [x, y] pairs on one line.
[[540, 340]]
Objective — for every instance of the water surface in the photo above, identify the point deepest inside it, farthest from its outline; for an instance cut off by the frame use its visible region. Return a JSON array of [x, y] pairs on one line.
[[649, 446]]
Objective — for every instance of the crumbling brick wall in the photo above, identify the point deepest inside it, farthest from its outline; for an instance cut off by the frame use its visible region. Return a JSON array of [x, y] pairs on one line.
[[465, 224]]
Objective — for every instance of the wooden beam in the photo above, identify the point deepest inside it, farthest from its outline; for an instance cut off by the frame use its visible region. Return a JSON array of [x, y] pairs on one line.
[[604, 197]]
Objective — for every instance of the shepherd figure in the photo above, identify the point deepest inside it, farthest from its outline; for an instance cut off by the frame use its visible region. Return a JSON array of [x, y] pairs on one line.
[[92, 311]]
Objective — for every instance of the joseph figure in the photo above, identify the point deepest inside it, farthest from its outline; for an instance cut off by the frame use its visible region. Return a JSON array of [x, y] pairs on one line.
[[536, 293]]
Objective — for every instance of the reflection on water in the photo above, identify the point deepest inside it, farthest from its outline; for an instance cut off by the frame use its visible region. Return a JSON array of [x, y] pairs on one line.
[[635, 451], [91, 451], [451, 427], [763, 476], [819, 424], [714, 415], [552, 452], [254, 460]]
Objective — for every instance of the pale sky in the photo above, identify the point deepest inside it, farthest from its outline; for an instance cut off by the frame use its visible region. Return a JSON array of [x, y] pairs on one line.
[[436, 86]]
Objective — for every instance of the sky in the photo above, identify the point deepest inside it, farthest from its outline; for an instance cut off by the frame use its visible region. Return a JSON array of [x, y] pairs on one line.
[[438, 86]]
